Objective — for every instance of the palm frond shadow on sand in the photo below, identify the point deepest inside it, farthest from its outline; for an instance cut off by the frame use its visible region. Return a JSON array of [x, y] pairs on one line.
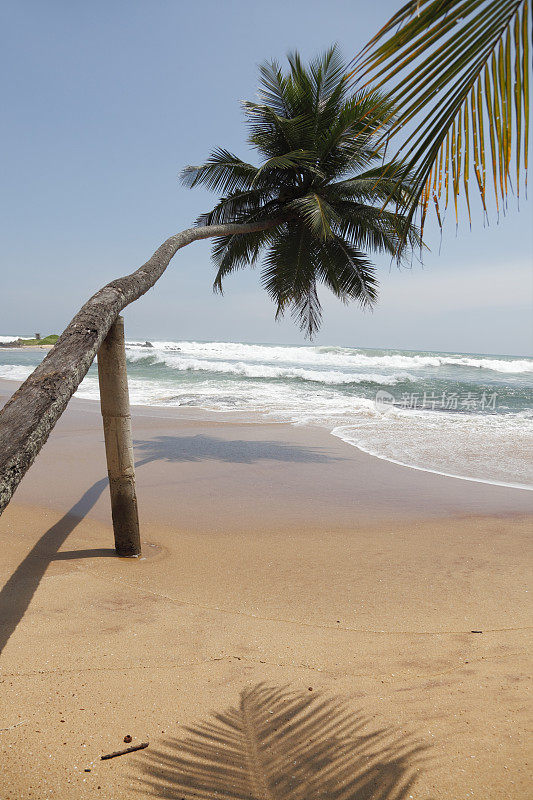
[[281, 745]]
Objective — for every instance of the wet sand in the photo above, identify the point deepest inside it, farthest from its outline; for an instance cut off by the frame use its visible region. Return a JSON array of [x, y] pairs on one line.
[[273, 555]]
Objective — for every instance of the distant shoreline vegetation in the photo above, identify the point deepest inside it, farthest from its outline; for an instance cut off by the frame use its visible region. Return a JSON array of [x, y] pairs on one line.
[[50, 339]]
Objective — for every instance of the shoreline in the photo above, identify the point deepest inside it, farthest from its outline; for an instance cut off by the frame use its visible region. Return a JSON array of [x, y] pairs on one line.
[[236, 458], [256, 417], [522, 486]]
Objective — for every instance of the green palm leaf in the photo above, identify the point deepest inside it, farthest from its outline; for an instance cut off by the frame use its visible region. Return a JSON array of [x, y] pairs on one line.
[[317, 213], [388, 182], [347, 272], [223, 172], [296, 159], [289, 276], [376, 229], [272, 134], [231, 253], [273, 88], [234, 206], [457, 69]]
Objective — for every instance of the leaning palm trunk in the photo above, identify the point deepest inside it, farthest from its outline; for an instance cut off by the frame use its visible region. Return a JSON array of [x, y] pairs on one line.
[[29, 416], [314, 208]]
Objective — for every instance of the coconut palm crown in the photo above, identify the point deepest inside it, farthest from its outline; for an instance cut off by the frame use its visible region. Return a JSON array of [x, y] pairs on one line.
[[322, 190]]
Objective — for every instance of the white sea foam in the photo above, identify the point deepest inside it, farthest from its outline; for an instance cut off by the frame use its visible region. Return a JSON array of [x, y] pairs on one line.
[[182, 363], [7, 339], [335, 387], [334, 356], [486, 448], [15, 372]]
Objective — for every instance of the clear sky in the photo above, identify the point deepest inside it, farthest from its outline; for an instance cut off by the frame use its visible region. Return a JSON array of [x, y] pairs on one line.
[[105, 102]]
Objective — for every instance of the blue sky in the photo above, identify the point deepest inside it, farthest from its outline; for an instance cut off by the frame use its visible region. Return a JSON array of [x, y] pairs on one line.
[[105, 102]]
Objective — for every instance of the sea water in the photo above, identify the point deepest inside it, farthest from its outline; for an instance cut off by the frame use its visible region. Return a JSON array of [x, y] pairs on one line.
[[461, 414]]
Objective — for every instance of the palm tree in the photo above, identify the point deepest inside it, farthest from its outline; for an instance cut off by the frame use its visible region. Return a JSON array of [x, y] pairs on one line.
[[314, 205], [322, 186], [461, 71]]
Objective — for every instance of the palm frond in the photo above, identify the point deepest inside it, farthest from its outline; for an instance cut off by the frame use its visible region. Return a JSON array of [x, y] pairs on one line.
[[390, 182], [348, 142], [330, 77], [295, 160], [457, 69], [318, 214], [307, 309], [236, 207], [299, 89], [223, 172], [347, 272], [323, 85], [231, 253], [272, 134], [289, 276], [283, 745], [272, 88], [377, 230]]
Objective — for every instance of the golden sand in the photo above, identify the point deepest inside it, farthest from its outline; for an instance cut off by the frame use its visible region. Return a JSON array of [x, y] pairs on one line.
[[280, 566]]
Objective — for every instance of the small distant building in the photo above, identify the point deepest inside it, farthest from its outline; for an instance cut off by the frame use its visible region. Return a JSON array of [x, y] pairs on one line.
[[37, 336]]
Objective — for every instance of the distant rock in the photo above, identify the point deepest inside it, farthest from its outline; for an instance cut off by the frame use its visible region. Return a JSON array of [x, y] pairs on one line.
[[147, 344]]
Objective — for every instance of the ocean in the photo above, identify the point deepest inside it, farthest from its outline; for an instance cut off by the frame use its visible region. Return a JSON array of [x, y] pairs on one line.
[[460, 414]]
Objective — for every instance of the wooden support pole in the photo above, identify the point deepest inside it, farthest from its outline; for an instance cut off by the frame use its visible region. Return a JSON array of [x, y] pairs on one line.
[[115, 405]]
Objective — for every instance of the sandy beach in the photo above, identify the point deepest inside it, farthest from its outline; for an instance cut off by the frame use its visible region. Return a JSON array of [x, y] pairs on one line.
[[281, 569]]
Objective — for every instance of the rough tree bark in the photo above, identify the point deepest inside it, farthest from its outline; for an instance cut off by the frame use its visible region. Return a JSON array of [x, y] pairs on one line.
[[29, 416], [116, 416]]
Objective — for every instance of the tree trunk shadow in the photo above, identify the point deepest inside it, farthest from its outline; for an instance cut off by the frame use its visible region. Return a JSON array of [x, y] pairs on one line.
[[18, 591]]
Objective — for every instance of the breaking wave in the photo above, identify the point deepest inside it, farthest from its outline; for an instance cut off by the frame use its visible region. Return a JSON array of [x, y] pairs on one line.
[[335, 387]]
